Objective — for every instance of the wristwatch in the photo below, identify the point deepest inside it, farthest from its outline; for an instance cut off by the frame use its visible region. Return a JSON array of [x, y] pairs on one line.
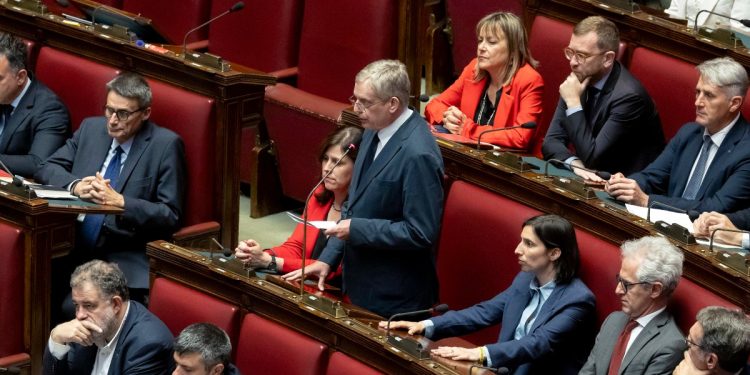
[[272, 265]]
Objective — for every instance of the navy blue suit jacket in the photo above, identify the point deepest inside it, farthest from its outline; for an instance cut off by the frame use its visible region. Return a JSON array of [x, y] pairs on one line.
[[37, 128], [725, 185], [395, 210], [152, 181], [143, 347], [559, 339]]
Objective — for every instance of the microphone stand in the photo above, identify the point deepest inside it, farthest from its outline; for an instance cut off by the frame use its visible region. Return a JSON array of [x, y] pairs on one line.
[[509, 160], [576, 186], [409, 346], [744, 22], [736, 260], [208, 59], [674, 231]]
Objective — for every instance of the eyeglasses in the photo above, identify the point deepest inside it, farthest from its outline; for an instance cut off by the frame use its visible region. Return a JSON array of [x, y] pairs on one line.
[[689, 342], [121, 114], [626, 284], [581, 57], [360, 105]]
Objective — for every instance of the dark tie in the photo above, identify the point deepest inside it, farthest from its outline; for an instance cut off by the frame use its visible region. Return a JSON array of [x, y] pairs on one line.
[[538, 297], [694, 183], [592, 97], [369, 157], [5, 110], [619, 351], [92, 224]]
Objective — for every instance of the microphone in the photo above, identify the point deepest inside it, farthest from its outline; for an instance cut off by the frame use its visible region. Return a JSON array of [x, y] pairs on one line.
[[10, 370], [227, 252], [349, 148], [495, 370], [561, 164], [237, 6], [439, 309], [744, 22], [711, 242], [527, 125], [690, 213], [422, 98], [17, 180]]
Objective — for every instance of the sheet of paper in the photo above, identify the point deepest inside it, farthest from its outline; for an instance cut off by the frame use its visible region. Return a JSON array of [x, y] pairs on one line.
[[320, 224], [53, 194], [668, 217]]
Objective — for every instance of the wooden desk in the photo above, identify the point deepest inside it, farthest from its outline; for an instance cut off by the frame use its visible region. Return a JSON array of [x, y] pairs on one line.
[[358, 338], [48, 232]]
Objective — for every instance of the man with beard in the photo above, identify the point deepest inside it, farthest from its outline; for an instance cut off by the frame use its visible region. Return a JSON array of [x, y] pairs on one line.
[[110, 334]]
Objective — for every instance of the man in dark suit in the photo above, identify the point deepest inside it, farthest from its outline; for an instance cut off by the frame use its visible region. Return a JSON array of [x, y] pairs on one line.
[[110, 334], [604, 113], [643, 338], [126, 161], [33, 121], [718, 343], [391, 220], [706, 166], [203, 349]]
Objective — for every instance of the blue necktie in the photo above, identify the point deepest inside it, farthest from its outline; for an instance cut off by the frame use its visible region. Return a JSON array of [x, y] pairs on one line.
[[5, 110], [92, 224], [367, 162], [694, 183]]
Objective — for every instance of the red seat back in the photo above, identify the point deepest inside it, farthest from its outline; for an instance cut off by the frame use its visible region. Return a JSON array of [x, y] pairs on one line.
[[689, 298], [547, 40], [671, 83], [178, 306], [264, 348], [11, 290], [600, 263], [87, 96], [341, 364], [478, 225], [272, 28], [173, 19], [329, 58], [191, 116], [746, 107]]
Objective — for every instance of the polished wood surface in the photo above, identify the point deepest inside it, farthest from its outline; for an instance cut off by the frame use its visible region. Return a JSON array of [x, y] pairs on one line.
[[356, 335]]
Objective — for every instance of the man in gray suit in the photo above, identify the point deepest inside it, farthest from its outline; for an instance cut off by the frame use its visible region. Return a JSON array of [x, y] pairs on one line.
[[643, 338]]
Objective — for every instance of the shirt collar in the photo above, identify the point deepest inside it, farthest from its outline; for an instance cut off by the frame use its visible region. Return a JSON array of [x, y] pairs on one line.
[[599, 85], [386, 133], [113, 342], [545, 289], [719, 136], [18, 98], [646, 319], [125, 145]]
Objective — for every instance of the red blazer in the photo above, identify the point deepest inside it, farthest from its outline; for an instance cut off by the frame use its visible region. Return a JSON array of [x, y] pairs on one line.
[[521, 102], [291, 250]]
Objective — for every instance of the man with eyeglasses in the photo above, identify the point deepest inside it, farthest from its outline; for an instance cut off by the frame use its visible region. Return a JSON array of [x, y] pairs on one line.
[[604, 112], [123, 160], [33, 121], [643, 337], [718, 343]]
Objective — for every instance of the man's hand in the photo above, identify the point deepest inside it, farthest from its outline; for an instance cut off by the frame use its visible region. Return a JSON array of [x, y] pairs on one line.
[[321, 269], [83, 188], [413, 328], [78, 331], [626, 190], [102, 193], [589, 177], [687, 367], [705, 224], [341, 230], [457, 353], [453, 120], [571, 90], [250, 253]]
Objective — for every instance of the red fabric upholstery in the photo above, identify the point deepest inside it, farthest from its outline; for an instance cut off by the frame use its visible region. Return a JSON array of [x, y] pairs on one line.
[[746, 108], [297, 123], [341, 364], [689, 298], [671, 83], [264, 348], [87, 97], [270, 28], [600, 262], [329, 58], [11, 290], [547, 40], [178, 306], [480, 231], [464, 16], [173, 19], [192, 117]]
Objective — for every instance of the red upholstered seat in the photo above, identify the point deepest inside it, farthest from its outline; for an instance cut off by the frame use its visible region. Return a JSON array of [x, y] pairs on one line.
[[173, 19], [746, 109], [547, 40], [341, 364], [600, 262], [77, 81], [671, 83], [689, 298], [178, 306], [264, 348], [480, 232], [11, 290]]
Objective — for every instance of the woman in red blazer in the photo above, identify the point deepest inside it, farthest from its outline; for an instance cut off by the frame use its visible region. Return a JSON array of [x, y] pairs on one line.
[[325, 205], [498, 89]]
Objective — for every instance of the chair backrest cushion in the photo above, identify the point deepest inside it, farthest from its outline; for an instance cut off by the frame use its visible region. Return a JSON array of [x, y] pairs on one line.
[[173, 19], [600, 263], [341, 364]]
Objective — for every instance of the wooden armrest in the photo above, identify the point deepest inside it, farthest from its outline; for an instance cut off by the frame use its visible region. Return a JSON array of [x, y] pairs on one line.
[[198, 235], [288, 75], [15, 360]]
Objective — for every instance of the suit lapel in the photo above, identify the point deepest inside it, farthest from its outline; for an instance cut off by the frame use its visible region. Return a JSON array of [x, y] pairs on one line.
[[140, 144], [603, 100], [725, 151], [513, 311], [17, 118], [649, 332], [504, 104], [549, 306], [99, 148], [474, 92]]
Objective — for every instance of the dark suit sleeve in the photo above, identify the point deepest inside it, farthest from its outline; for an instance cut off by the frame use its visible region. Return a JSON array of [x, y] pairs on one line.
[[52, 365], [57, 169], [150, 358], [49, 123], [556, 141], [740, 219], [471, 319], [422, 208]]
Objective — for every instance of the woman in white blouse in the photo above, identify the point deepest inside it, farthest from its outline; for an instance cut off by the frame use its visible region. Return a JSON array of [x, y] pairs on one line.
[[688, 9]]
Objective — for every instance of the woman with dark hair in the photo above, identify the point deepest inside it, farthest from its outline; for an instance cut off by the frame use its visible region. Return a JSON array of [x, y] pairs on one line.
[[326, 205], [547, 314], [498, 89]]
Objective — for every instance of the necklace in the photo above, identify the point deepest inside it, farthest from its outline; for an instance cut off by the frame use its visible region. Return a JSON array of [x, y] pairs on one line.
[[333, 205], [486, 99]]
